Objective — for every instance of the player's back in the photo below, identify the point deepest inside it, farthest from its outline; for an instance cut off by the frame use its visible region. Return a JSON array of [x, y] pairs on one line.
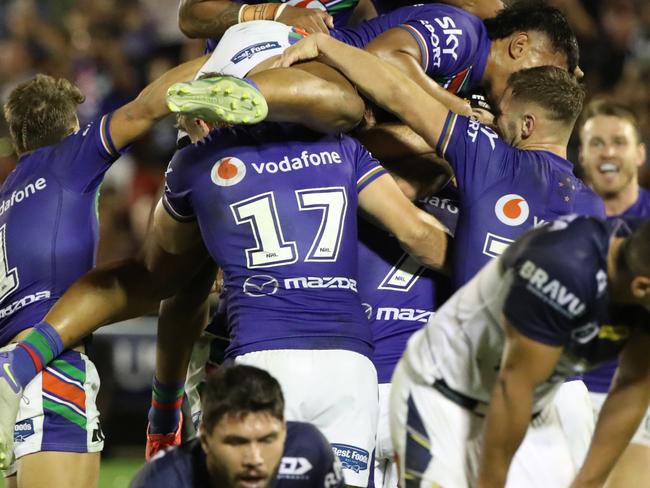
[[48, 224], [551, 285], [277, 210], [399, 295]]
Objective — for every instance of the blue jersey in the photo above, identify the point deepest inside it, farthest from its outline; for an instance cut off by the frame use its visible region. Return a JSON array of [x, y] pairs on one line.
[[600, 379], [48, 223], [307, 461], [505, 191], [454, 45], [276, 205], [399, 295], [559, 295]]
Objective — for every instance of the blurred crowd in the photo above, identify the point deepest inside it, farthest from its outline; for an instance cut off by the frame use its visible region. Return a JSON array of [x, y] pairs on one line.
[[112, 48]]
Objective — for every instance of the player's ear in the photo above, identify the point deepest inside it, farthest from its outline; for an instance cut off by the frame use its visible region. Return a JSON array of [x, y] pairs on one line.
[[641, 152], [518, 45], [640, 287], [528, 122]]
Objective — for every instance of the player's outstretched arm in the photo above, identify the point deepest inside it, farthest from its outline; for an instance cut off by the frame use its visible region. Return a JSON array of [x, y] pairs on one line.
[[211, 18], [419, 233], [134, 119], [621, 414], [525, 364], [173, 254], [406, 58], [378, 80]]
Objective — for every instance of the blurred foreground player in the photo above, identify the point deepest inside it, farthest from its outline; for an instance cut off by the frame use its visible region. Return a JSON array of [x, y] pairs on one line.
[[49, 229], [244, 441], [483, 372], [611, 153]]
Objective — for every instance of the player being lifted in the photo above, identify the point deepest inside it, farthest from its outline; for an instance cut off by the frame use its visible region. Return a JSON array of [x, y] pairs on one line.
[[54, 188], [524, 35]]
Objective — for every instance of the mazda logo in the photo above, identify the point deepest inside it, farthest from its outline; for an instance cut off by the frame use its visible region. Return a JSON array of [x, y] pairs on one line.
[[260, 286]]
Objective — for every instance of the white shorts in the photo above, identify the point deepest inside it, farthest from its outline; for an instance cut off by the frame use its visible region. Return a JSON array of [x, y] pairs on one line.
[[244, 46], [196, 374], [439, 442], [573, 405], [385, 468], [58, 410], [642, 434], [336, 391]]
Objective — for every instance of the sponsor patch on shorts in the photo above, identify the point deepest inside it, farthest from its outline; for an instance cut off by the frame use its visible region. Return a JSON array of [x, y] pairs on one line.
[[351, 457], [23, 430], [250, 51]]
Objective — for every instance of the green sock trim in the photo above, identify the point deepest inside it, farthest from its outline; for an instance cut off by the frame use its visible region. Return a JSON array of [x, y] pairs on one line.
[[38, 342]]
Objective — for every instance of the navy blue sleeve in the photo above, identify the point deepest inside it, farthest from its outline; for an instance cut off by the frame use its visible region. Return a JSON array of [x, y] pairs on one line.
[[177, 198], [475, 152], [552, 289], [81, 159]]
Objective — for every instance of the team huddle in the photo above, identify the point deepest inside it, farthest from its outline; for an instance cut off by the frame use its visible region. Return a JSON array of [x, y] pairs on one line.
[[414, 287]]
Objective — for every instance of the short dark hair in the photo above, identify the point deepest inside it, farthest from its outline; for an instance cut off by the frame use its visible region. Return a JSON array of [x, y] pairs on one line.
[[240, 389], [41, 112], [551, 88], [536, 15], [635, 251], [610, 108]]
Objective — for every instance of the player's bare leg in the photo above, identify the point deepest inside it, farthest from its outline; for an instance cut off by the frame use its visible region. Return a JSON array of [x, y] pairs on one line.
[[312, 94], [632, 469], [182, 319], [69, 469]]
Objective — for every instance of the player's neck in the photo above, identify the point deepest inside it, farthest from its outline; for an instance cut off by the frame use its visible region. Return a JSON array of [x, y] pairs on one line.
[[542, 145], [621, 201]]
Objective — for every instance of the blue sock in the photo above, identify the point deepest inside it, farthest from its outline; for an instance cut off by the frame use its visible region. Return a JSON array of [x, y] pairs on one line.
[[252, 83], [34, 352], [165, 412]]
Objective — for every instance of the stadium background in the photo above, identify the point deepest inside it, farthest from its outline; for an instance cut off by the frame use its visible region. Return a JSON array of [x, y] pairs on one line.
[[112, 48]]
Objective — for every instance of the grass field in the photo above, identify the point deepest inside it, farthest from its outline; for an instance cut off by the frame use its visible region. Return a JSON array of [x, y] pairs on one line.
[[115, 472]]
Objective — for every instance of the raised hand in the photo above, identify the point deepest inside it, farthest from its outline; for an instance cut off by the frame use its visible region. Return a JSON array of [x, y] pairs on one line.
[[309, 19]]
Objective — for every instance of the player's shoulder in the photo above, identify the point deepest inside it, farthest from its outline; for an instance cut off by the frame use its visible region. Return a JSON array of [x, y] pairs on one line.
[[175, 467], [303, 434], [571, 249]]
